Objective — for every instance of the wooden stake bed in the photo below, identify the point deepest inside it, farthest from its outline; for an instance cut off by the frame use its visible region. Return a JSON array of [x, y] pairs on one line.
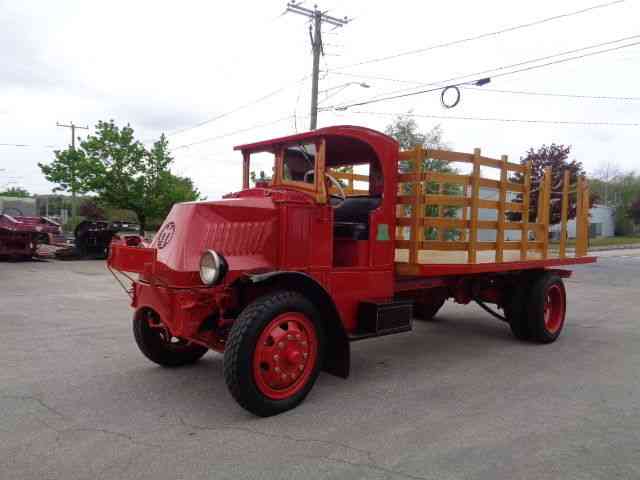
[[441, 216]]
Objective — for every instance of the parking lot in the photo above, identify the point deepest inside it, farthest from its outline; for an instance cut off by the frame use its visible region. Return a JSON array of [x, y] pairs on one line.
[[458, 398]]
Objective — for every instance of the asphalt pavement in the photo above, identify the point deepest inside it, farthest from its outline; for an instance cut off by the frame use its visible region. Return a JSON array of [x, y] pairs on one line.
[[457, 398]]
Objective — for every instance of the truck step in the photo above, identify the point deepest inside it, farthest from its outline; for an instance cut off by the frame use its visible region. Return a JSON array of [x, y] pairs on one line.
[[383, 317]]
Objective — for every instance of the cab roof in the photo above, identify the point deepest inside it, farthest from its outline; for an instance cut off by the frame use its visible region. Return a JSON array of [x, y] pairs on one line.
[[367, 135], [354, 143]]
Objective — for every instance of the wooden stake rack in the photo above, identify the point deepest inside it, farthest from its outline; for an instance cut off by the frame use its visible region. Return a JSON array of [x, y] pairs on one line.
[[439, 214]]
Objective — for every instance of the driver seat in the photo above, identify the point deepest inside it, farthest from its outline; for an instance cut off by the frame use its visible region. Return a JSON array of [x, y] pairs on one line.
[[351, 218]]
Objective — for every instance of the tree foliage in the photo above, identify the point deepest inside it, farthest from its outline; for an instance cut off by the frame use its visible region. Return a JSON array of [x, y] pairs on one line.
[[556, 157], [634, 211], [18, 192], [90, 209], [122, 172], [621, 190], [405, 130]]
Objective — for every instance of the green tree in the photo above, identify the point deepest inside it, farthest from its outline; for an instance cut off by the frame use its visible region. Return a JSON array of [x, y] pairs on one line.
[[405, 130], [125, 175], [621, 191], [69, 170], [634, 211], [556, 157], [15, 192]]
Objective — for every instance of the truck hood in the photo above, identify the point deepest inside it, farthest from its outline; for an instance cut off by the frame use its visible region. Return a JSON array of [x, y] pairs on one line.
[[243, 230]]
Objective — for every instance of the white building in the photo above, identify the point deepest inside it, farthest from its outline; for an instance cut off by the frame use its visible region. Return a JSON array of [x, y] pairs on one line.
[[601, 223]]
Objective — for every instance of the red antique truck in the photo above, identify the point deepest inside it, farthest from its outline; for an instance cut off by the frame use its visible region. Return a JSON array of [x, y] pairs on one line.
[[283, 276]]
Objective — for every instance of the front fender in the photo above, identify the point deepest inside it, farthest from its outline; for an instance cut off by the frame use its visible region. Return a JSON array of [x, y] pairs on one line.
[[338, 354]]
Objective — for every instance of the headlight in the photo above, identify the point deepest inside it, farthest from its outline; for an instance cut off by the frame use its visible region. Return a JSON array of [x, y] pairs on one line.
[[212, 267]]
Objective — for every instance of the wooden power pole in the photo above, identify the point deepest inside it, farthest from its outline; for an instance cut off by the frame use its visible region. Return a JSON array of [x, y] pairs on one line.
[[73, 128], [317, 18]]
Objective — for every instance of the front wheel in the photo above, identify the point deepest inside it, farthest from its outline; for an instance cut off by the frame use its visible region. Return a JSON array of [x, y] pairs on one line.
[[273, 353], [159, 346]]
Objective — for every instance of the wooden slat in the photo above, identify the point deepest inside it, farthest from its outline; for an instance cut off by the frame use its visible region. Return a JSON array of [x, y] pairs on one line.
[[349, 176], [432, 245], [525, 212], [448, 155], [406, 154], [497, 184], [564, 215], [501, 212], [434, 177], [546, 213], [494, 205], [490, 162], [582, 218], [465, 216], [448, 200], [416, 231], [475, 197], [445, 246]]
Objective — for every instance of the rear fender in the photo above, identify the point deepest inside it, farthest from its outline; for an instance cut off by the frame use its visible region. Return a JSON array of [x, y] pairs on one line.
[[337, 358]]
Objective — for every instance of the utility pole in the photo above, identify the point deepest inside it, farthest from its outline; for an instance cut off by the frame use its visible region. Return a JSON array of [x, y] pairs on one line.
[[317, 18], [73, 128]]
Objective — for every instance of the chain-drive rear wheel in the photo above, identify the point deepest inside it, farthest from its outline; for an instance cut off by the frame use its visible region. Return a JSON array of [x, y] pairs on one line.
[[273, 353]]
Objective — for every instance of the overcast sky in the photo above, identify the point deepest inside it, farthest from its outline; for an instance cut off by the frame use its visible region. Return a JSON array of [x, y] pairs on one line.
[[166, 66]]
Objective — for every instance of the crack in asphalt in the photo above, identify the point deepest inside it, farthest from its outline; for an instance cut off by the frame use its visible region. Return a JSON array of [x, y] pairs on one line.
[[38, 400], [372, 466], [281, 436], [62, 431]]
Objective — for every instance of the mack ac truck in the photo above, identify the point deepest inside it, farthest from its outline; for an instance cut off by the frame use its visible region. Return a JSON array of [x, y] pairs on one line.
[[346, 237]]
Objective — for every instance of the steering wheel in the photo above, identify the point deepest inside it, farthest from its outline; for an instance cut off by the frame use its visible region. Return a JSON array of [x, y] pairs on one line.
[[341, 195]]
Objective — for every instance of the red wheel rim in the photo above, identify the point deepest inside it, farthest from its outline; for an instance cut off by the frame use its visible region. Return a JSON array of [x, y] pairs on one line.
[[285, 355], [554, 308]]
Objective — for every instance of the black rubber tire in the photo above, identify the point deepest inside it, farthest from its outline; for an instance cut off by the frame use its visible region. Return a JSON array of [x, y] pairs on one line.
[[535, 308], [240, 347], [156, 349], [427, 310], [515, 312]]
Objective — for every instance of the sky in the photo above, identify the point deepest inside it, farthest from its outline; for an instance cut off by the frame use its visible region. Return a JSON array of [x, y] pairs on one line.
[[169, 66]]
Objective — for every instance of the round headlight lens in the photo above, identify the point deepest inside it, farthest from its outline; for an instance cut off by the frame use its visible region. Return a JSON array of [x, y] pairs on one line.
[[210, 267]]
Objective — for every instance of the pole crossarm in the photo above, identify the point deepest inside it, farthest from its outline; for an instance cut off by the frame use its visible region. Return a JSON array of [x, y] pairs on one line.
[[315, 30]]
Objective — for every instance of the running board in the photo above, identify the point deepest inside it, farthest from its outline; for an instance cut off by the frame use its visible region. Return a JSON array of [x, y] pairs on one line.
[[383, 317]]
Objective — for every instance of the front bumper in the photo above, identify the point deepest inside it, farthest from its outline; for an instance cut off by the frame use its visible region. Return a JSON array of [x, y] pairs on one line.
[[182, 311], [181, 308]]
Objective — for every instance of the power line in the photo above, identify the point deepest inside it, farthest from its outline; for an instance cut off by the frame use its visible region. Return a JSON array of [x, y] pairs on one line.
[[482, 35], [237, 109], [235, 132], [505, 120], [551, 94], [499, 69], [25, 145]]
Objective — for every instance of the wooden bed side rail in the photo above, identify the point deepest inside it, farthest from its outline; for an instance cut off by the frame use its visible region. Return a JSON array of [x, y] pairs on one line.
[[349, 178], [440, 193]]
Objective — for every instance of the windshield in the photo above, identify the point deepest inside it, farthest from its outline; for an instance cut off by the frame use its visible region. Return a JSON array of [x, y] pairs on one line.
[[299, 163]]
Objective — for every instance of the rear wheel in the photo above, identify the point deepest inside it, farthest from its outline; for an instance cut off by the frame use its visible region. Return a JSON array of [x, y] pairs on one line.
[[546, 308], [515, 312], [274, 353], [158, 345]]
